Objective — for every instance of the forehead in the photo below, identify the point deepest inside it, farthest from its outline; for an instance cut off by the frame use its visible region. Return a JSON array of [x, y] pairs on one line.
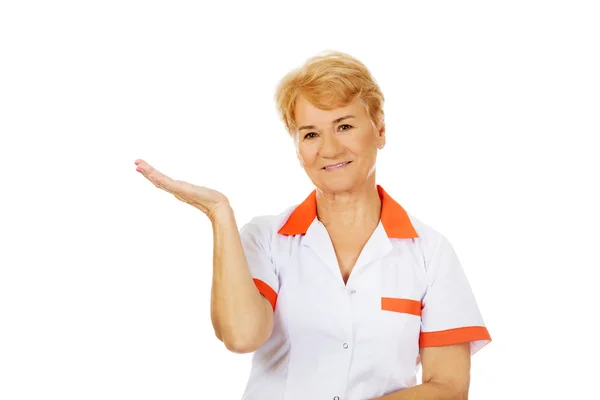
[[306, 113]]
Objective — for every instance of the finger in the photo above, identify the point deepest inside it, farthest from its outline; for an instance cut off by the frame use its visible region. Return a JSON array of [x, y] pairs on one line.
[[157, 178], [163, 182], [143, 166]]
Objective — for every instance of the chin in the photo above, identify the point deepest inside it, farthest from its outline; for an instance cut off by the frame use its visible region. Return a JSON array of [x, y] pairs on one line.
[[339, 185]]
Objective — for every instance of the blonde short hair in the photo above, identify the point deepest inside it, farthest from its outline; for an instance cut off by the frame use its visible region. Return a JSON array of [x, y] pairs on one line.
[[329, 80]]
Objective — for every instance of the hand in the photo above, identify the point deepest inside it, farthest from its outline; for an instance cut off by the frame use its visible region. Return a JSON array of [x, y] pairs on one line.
[[206, 200]]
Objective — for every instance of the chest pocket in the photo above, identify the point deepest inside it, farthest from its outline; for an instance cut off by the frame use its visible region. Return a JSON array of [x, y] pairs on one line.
[[399, 304]]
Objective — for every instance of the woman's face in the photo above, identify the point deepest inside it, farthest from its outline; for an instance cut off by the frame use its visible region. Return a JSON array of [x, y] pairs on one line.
[[337, 148]]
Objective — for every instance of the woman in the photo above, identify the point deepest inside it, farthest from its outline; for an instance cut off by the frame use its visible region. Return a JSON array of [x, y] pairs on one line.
[[344, 295]]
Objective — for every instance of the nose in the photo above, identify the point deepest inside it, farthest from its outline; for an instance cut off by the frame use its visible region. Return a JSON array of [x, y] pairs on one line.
[[330, 146]]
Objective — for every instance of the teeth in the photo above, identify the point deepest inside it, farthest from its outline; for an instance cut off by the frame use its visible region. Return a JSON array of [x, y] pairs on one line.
[[336, 166]]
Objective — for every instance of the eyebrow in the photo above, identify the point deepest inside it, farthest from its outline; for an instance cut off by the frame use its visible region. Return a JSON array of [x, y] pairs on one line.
[[333, 123]]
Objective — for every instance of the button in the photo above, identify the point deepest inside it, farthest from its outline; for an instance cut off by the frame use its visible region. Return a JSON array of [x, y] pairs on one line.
[[336, 398], [352, 291], [345, 345]]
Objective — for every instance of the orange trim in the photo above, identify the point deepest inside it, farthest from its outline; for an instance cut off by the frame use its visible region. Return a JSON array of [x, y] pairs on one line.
[[406, 306], [454, 336], [301, 218], [266, 291], [394, 218]]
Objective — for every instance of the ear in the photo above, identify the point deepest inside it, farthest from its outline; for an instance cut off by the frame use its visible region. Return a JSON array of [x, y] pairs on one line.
[[381, 135]]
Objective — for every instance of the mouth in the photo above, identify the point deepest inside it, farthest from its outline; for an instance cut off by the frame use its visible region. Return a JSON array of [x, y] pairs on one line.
[[334, 167]]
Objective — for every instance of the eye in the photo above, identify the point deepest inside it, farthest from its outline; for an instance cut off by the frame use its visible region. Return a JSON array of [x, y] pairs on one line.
[[308, 135], [346, 126]]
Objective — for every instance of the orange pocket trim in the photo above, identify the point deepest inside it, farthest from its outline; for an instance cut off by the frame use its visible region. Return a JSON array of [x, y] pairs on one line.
[[266, 291], [454, 336], [397, 304]]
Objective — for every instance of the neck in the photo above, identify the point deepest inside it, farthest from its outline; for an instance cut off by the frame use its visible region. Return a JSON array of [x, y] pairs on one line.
[[351, 210]]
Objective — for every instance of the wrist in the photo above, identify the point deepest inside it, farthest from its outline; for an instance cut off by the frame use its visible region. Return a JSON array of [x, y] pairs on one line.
[[220, 211]]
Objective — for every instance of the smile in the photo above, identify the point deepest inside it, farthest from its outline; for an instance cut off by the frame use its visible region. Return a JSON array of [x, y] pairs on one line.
[[336, 166]]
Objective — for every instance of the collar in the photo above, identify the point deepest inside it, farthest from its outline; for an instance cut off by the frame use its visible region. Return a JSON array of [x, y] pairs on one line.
[[394, 218]]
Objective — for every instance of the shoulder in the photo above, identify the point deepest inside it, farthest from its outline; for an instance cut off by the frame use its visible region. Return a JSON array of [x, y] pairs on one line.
[[267, 225], [429, 239]]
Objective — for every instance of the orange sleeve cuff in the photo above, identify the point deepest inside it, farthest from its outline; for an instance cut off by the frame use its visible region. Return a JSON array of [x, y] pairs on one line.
[[454, 336], [266, 291]]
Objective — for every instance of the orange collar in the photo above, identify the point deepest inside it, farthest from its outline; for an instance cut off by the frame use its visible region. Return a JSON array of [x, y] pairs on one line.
[[394, 218]]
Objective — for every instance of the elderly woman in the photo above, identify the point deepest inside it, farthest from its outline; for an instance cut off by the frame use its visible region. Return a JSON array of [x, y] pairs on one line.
[[344, 295]]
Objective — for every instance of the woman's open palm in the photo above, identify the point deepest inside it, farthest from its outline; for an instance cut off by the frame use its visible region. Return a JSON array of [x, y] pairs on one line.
[[205, 199]]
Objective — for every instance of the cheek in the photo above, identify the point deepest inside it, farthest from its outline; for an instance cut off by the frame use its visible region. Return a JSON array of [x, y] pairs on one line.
[[364, 148], [306, 156], [367, 158]]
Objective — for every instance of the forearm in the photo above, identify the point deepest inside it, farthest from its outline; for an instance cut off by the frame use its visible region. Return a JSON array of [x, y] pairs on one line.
[[426, 391], [238, 310]]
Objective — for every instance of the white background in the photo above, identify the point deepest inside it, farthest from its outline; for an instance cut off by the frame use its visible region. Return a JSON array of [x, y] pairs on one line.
[[492, 113]]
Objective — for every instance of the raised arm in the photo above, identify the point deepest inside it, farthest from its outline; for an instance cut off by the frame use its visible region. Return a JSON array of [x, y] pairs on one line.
[[242, 318]]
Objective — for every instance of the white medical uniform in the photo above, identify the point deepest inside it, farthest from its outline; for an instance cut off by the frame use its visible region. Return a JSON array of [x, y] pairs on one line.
[[358, 340]]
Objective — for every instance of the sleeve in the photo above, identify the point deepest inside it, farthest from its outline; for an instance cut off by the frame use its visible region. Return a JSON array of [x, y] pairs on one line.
[[450, 313], [256, 246]]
